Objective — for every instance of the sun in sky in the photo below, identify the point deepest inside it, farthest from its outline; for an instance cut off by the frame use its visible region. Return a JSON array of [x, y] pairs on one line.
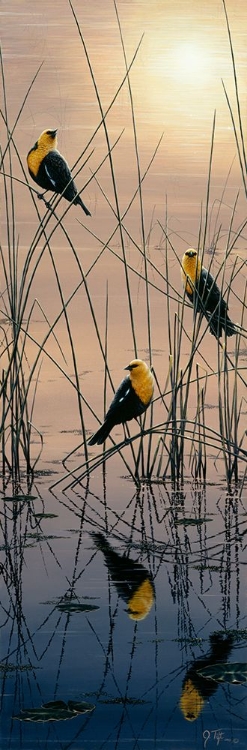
[[189, 62]]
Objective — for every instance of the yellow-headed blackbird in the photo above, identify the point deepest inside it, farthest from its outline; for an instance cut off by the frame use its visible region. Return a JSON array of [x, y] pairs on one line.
[[196, 688], [130, 401], [133, 582], [205, 295], [49, 169]]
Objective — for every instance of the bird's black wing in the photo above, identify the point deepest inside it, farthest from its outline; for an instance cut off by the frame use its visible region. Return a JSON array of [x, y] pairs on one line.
[[209, 292], [214, 306], [126, 405], [56, 171]]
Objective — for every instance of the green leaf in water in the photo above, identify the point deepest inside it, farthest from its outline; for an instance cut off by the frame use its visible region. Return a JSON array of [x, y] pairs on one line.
[[191, 521], [44, 537], [73, 606], [55, 711], [45, 714], [125, 701], [6, 668], [233, 672], [19, 498], [81, 707], [45, 515], [55, 704]]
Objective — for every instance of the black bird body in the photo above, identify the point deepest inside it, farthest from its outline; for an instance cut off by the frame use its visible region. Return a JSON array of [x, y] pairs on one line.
[[131, 399], [50, 170], [205, 295]]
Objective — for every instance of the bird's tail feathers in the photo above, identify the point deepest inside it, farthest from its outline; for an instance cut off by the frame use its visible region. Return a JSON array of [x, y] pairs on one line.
[[217, 325], [79, 202], [100, 436], [231, 328]]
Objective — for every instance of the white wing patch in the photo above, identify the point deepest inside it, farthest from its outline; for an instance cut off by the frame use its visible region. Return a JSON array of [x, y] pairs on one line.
[[126, 394], [48, 175]]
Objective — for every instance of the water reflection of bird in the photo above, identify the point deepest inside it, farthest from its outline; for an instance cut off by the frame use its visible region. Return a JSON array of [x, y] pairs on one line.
[[197, 689], [133, 582], [49, 169], [205, 295], [130, 401]]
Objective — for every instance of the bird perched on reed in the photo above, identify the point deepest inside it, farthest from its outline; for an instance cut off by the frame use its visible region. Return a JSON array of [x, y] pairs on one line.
[[131, 399], [203, 292], [49, 169]]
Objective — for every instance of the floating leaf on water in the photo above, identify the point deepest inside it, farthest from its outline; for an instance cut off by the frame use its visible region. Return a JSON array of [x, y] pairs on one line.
[[46, 714], [238, 635], [72, 531], [191, 641], [44, 537], [191, 521], [70, 432], [233, 672], [19, 498], [81, 707], [45, 515], [55, 704], [45, 472], [70, 607], [55, 711], [124, 701], [5, 668], [214, 568]]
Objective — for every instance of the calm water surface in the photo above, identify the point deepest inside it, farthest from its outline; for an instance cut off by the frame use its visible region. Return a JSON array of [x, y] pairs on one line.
[[114, 597]]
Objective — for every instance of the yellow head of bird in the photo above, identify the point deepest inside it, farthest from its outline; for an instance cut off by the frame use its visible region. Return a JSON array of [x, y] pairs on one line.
[[47, 140], [141, 379], [191, 268], [190, 253], [137, 366]]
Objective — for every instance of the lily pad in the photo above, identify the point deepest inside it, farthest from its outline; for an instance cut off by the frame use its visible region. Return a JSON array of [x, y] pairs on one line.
[[19, 498], [45, 714], [45, 515], [43, 537], [233, 672], [55, 711], [55, 704], [73, 606], [6, 668], [125, 701], [81, 707], [191, 521]]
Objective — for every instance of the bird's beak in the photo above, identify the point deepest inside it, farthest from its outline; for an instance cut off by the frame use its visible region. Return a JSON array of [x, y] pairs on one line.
[[128, 367], [53, 133]]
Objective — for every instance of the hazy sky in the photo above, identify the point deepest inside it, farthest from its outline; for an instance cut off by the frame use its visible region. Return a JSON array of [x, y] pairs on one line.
[[176, 84]]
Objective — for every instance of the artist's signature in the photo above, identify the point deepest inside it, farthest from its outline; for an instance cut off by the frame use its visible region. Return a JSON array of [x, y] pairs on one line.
[[217, 736]]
